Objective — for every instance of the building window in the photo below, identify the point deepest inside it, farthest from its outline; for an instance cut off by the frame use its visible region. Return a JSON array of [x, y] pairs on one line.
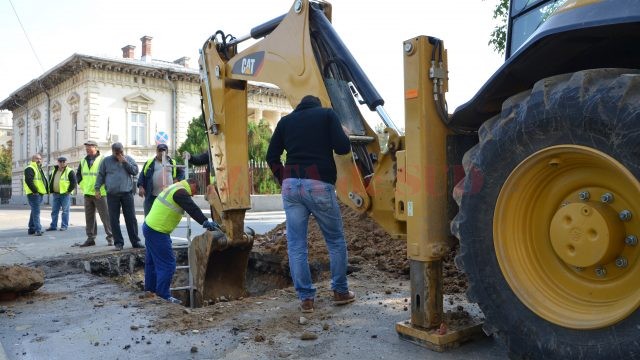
[[57, 141], [138, 129], [23, 144], [38, 139], [74, 128]]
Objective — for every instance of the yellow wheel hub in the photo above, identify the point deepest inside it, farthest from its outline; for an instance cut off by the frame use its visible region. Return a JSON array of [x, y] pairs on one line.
[[586, 235], [565, 236]]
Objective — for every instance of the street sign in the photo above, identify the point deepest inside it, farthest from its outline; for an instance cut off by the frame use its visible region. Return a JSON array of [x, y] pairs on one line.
[[162, 137]]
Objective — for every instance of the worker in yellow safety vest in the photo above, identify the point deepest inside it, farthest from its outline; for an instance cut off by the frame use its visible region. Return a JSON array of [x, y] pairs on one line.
[[155, 176], [35, 186], [62, 182], [165, 215], [86, 175]]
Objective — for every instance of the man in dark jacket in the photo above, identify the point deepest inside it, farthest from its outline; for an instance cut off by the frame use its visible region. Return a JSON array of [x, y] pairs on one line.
[[62, 182], [154, 176], [35, 186], [310, 135]]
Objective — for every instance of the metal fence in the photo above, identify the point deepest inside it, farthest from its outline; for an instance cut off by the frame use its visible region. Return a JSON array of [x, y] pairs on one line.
[[260, 178], [5, 193]]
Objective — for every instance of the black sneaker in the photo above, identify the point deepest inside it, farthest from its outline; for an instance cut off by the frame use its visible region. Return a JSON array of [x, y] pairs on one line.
[[38, 233], [51, 229], [138, 245], [119, 247]]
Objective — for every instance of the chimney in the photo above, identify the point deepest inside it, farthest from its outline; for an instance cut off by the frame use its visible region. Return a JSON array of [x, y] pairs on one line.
[[146, 48], [184, 61], [127, 51]]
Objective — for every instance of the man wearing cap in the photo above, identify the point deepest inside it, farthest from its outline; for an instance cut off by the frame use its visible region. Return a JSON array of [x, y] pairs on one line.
[[86, 175], [62, 181], [155, 177], [116, 173], [35, 186]]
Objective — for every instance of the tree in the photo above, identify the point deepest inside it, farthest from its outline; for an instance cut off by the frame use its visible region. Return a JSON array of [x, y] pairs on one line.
[[196, 141], [5, 164], [259, 137], [498, 37]]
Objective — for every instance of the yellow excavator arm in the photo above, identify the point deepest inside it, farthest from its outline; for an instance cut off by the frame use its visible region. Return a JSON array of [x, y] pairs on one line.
[[403, 188]]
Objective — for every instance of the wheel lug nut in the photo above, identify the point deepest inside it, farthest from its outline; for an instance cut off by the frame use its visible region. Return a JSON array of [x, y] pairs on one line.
[[606, 198], [631, 240], [625, 215], [578, 268], [584, 195], [621, 262], [601, 272]]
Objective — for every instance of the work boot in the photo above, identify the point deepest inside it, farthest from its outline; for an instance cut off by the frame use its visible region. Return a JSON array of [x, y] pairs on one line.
[[89, 242], [306, 306], [343, 298]]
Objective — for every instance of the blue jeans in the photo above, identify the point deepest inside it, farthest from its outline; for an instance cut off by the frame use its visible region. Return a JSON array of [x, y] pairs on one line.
[[159, 262], [34, 218], [60, 202], [301, 198]]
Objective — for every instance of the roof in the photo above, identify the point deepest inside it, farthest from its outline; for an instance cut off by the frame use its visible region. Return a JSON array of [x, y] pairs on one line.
[[78, 62]]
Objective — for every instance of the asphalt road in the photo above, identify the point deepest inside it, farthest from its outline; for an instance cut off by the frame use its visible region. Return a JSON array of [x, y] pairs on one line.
[[79, 314]]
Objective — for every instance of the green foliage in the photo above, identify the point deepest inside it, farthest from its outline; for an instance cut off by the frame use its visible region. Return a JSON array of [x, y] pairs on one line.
[[259, 137], [5, 164], [498, 37], [196, 142]]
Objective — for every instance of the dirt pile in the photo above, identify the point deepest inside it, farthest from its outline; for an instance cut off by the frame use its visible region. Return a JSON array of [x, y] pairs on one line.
[[368, 245], [18, 279]]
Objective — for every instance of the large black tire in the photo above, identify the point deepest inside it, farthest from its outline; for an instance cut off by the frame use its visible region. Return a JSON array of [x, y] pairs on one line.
[[598, 109]]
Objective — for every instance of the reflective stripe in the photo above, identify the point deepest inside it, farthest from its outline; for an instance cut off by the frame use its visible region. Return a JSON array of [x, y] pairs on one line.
[[165, 213], [171, 207]]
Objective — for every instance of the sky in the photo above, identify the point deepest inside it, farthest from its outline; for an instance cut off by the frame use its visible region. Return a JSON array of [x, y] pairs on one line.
[[373, 30]]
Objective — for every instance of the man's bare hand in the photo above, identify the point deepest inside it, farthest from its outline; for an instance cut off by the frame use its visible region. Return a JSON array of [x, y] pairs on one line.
[[98, 195], [120, 157], [141, 191]]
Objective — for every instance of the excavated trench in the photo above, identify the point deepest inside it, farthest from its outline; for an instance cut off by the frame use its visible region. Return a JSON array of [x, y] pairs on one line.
[[265, 271]]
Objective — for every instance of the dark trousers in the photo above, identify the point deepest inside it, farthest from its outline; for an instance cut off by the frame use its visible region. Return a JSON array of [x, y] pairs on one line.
[[124, 201], [148, 203], [159, 262]]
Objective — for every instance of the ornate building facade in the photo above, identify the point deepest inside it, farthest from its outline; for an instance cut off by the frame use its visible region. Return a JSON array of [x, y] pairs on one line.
[[132, 101]]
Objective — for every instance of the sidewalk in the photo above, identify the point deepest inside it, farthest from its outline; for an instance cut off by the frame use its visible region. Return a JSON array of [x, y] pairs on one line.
[[17, 247]]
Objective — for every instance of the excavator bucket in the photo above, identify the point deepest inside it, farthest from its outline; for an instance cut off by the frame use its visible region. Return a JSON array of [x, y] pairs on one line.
[[219, 265]]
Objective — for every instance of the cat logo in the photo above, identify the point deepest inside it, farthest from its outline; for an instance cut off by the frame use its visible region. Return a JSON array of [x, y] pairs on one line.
[[249, 65]]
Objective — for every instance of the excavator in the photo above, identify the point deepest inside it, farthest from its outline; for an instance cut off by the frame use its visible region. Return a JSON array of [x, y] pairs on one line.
[[547, 212]]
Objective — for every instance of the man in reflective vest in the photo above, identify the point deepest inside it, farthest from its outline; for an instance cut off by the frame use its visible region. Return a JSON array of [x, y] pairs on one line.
[[86, 175], [35, 186], [62, 182], [155, 177], [165, 215]]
